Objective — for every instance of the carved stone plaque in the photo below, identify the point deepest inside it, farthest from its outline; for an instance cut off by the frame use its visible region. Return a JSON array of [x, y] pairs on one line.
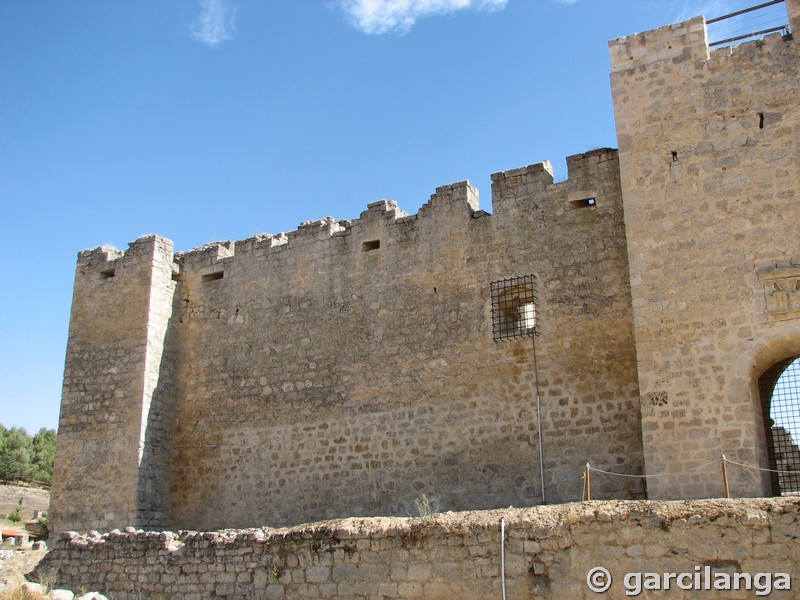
[[781, 292]]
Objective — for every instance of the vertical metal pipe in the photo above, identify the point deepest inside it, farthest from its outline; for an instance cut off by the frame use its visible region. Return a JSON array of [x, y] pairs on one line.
[[503, 555], [538, 414]]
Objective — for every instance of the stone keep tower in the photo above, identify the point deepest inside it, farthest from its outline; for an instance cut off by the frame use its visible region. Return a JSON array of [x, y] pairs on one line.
[[709, 145], [112, 441]]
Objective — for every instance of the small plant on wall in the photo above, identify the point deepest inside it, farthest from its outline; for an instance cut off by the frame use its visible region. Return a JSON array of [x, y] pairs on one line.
[[426, 508]]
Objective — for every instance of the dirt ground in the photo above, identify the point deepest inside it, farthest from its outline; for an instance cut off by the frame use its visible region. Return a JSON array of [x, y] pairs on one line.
[[28, 499], [13, 570]]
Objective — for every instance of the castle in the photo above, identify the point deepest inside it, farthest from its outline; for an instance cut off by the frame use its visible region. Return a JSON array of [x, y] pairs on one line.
[[351, 367]]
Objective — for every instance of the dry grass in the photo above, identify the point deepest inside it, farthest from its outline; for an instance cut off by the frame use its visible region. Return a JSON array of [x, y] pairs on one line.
[[13, 570], [20, 593]]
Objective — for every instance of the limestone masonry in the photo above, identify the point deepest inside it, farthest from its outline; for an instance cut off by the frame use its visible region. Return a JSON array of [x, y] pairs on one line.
[[349, 367], [548, 552]]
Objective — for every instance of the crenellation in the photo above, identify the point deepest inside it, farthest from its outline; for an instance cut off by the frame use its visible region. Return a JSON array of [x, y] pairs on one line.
[[458, 198], [256, 243], [101, 254], [207, 254], [589, 164], [542, 171], [321, 229], [382, 209], [685, 42]]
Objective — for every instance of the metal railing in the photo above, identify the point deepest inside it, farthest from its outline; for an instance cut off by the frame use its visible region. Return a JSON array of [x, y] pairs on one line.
[[748, 23]]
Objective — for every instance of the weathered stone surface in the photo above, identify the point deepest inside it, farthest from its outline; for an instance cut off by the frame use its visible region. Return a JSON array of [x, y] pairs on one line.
[[348, 367], [709, 145], [436, 558], [324, 377]]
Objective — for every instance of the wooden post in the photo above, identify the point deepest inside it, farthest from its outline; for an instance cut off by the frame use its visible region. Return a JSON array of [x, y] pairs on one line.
[[588, 483], [725, 477]]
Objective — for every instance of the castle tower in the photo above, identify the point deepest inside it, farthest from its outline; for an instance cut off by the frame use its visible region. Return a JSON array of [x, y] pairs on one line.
[[708, 147], [111, 442]]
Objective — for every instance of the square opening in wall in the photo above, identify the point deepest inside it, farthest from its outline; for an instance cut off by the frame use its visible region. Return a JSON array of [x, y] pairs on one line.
[[371, 245], [583, 203], [213, 276], [514, 307]]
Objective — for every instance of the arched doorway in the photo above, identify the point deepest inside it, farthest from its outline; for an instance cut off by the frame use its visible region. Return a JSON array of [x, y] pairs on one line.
[[779, 388]]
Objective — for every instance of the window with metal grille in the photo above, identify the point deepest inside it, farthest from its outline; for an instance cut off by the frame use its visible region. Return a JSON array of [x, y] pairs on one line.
[[513, 307], [780, 403]]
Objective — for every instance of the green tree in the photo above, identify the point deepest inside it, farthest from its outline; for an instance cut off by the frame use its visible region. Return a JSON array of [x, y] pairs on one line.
[[44, 453], [23, 458], [15, 454]]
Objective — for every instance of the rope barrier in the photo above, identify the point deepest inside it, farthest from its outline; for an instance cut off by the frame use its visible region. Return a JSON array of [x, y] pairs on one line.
[[587, 493], [733, 462], [655, 474], [713, 462]]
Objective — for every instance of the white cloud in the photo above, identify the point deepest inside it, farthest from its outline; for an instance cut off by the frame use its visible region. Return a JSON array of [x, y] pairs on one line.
[[215, 23], [567, 1], [382, 16]]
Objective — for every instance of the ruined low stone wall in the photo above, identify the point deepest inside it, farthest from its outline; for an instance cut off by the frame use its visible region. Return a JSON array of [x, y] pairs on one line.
[[548, 552]]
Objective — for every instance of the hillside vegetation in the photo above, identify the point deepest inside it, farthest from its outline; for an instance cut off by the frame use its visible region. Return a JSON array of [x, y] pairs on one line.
[[25, 458]]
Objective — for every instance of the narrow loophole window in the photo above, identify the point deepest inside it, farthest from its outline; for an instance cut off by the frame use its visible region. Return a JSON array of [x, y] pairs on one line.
[[583, 203], [371, 245], [108, 273]]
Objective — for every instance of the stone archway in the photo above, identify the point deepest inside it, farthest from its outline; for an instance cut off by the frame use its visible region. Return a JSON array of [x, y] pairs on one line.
[[779, 389]]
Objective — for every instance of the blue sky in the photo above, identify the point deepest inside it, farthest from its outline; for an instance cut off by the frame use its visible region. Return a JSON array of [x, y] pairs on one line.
[[207, 120]]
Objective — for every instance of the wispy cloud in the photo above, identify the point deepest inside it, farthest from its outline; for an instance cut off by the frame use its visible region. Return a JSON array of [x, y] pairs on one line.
[[215, 23], [566, 1], [398, 16]]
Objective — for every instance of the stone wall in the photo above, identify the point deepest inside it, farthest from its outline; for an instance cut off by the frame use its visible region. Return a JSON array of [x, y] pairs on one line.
[[319, 378], [548, 553], [708, 144], [348, 367]]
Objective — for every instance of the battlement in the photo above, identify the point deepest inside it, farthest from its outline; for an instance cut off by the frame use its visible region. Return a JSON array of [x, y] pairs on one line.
[[679, 42], [688, 42], [579, 168], [450, 206]]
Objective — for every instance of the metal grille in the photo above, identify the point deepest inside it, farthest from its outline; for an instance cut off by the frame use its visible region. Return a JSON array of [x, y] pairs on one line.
[[514, 308], [780, 395]]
